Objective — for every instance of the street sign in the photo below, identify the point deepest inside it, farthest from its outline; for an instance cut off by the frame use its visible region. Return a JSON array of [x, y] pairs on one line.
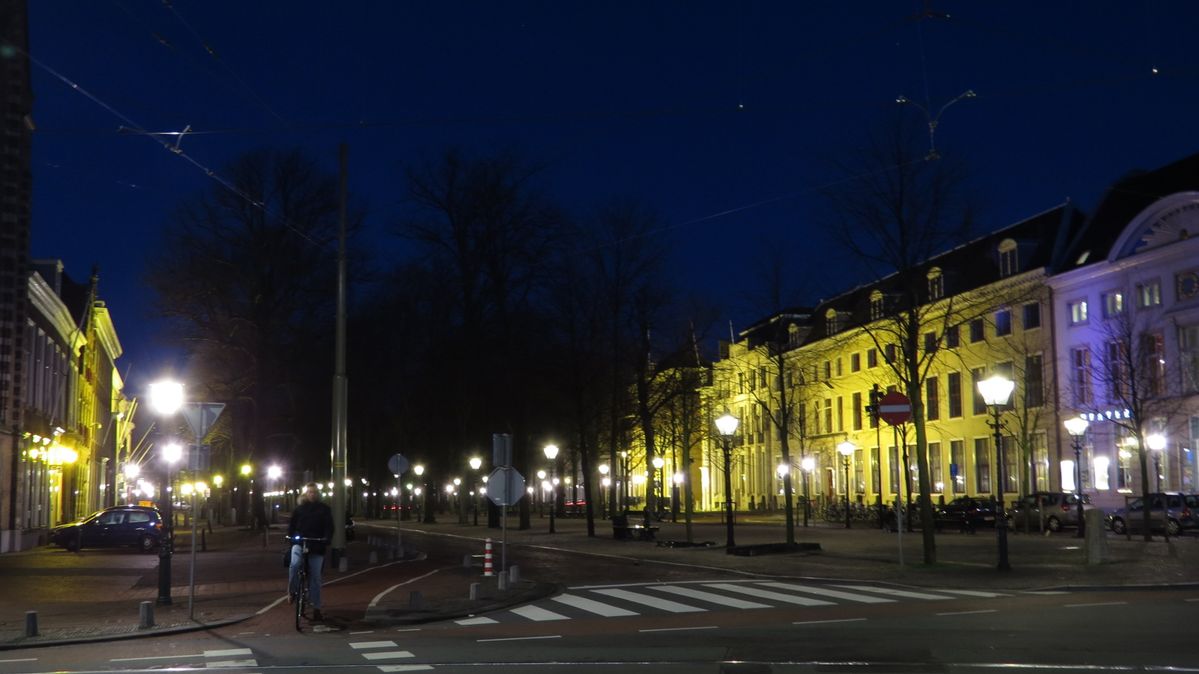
[[397, 464], [501, 449], [895, 408], [505, 486], [200, 417]]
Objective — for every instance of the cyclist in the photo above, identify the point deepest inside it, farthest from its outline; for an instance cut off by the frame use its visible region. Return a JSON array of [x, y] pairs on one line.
[[310, 519]]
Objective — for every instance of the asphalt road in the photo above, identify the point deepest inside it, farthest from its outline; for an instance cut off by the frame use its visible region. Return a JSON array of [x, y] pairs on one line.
[[617, 615]]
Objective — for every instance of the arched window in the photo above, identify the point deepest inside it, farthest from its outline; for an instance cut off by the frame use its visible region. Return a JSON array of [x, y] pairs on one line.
[[1009, 261], [831, 322], [877, 305], [936, 284]]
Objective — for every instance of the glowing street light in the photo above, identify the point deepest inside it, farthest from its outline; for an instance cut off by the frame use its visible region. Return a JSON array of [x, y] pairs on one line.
[[726, 425], [846, 450], [1077, 428], [995, 391]]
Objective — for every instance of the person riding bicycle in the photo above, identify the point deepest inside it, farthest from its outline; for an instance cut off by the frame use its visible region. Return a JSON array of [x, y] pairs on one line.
[[310, 519]]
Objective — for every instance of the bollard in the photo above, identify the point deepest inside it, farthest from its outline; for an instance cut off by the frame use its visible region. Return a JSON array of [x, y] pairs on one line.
[[415, 599], [487, 570], [31, 623], [343, 564], [514, 574], [373, 558], [146, 615], [503, 581], [203, 541], [474, 591], [466, 563]]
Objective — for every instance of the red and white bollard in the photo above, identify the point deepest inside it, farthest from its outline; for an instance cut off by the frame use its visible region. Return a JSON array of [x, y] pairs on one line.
[[487, 559]]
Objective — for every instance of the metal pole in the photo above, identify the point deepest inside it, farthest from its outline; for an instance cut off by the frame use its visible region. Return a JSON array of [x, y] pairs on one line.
[[553, 497], [807, 506], [164, 543], [399, 508], [1000, 518], [191, 583], [728, 496], [846, 492], [340, 383], [1078, 482]]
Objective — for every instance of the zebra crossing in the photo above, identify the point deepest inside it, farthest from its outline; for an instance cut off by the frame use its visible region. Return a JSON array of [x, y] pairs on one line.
[[615, 601], [381, 651]]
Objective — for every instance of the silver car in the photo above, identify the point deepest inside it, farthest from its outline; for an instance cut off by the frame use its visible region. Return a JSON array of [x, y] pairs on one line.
[[1048, 509], [1181, 513]]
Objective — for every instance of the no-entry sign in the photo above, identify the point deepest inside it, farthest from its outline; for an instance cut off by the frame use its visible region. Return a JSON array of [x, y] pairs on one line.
[[895, 408]]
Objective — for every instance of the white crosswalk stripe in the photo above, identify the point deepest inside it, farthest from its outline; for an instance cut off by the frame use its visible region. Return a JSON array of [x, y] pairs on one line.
[[405, 668], [359, 645], [229, 653], [652, 602], [592, 606], [895, 593], [538, 614], [825, 592], [710, 597], [767, 594], [481, 620], [975, 593], [387, 655]]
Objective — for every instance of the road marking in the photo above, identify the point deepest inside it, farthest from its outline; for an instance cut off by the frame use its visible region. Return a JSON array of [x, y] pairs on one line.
[[379, 596], [975, 593], [407, 629], [709, 597], [1046, 592], [825, 622], [652, 602], [230, 664], [228, 652], [680, 629], [355, 633], [384, 655], [404, 668], [157, 657], [20, 660], [481, 620], [989, 610], [895, 593], [767, 594], [1192, 599], [825, 592], [538, 614], [372, 644], [592, 606], [548, 636], [1099, 603]]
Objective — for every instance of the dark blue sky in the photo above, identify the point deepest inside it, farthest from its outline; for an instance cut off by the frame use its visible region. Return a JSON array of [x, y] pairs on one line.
[[699, 108]]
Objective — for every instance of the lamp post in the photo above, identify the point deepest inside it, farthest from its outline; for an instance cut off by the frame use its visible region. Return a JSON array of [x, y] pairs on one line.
[[166, 397], [605, 483], [246, 471], [475, 463], [933, 120], [1077, 427], [807, 464], [426, 514], [660, 480], [677, 479], [783, 470], [726, 425], [996, 390], [1156, 443], [551, 454], [132, 470], [273, 474], [846, 450]]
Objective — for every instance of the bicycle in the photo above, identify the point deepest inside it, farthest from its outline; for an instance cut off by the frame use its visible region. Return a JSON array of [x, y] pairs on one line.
[[301, 595]]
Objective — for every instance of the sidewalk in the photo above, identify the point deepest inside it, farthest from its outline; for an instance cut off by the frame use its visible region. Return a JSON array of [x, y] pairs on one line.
[[97, 596]]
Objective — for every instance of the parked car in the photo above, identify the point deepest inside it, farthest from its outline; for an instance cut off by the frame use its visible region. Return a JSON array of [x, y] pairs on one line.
[[966, 512], [1181, 513], [119, 526], [1057, 509]]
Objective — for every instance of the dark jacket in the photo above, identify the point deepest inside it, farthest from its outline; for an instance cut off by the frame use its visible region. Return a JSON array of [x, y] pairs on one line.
[[312, 520]]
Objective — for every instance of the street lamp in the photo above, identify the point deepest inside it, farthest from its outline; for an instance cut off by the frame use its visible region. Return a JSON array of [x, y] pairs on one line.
[[726, 425], [605, 483], [475, 463], [132, 470], [783, 470], [933, 120], [551, 453], [660, 493], [996, 390], [1157, 443], [807, 464], [166, 397], [1077, 427], [846, 450]]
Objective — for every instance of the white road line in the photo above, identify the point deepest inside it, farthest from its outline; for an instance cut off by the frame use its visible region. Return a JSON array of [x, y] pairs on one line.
[[385, 655], [538, 614], [355, 633], [406, 629], [1046, 592], [974, 593], [372, 644], [379, 596], [157, 657], [825, 592], [989, 610], [826, 622], [895, 593], [19, 660], [767, 594], [652, 602], [1099, 603], [404, 668], [680, 629], [548, 636], [592, 606], [709, 597], [230, 664], [228, 652], [481, 620]]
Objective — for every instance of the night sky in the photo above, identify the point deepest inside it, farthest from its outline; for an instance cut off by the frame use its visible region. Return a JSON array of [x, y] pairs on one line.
[[725, 117]]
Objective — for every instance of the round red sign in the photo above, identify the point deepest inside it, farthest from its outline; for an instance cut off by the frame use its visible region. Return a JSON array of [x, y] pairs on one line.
[[895, 408]]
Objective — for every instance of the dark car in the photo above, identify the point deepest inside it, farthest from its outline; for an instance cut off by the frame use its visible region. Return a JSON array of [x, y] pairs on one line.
[[119, 526], [1181, 513], [965, 512]]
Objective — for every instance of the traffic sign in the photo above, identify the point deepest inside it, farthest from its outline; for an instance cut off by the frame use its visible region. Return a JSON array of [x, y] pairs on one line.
[[895, 408], [397, 464], [505, 486]]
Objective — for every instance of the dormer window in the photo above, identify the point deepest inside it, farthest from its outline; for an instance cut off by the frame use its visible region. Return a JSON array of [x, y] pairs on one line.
[[936, 284], [831, 322], [877, 305], [793, 335], [1009, 261]]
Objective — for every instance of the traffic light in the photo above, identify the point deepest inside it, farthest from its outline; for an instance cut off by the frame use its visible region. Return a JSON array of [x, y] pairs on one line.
[[872, 408]]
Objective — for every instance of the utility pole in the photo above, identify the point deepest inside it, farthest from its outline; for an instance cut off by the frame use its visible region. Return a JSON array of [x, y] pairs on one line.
[[339, 380]]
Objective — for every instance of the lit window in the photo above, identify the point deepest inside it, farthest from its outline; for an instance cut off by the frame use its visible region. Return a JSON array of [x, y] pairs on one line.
[[876, 305], [1113, 304], [1008, 261], [1003, 322], [936, 284], [1032, 315], [1078, 312], [1149, 294]]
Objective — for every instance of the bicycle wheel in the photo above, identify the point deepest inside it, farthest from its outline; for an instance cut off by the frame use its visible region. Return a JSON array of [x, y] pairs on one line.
[[301, 599]]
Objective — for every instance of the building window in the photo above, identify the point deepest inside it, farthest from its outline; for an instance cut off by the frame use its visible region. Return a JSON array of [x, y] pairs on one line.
[[936, 284], [982, 465], [1113, 304], [828, 370], [1188, 354], [976, 330], [1154, 351], [793, 335], [1011, 462], [859, 473], [740, 382], [930, 342], [1040, 461], [1032, 315], [932, 397], [874, 472], [1034, 381], [1114, 370], [1080, 376], [828, 415], [890, 353], [954, 384], [1009, 262], [952, 338], [840, 414], [831, 324], [1003, 322], [873, 417], [957, 466], [980, 405], [1149, 294], [855, 362], [837, 369], [872, 357], [1077, 311], [856, 401], [934, 467], [876, 305]]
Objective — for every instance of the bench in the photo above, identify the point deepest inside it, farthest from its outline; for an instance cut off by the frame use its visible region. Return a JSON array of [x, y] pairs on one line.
[[622, 530]]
